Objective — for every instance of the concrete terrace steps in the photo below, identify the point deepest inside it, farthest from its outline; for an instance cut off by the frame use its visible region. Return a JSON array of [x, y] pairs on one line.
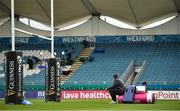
[[84, 53]]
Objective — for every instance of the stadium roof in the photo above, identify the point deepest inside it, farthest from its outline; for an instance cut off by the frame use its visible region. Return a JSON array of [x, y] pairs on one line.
[[134, 12]]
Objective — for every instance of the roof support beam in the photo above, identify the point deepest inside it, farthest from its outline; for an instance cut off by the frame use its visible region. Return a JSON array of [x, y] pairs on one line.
[[177, 5], [45, 11], [133, 13], [90, 8], [5, 8]]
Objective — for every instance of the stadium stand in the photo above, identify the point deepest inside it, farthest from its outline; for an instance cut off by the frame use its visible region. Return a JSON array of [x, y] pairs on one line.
[[34, 79], [161, 70], [74, 48], [162, 65], [98, 73]]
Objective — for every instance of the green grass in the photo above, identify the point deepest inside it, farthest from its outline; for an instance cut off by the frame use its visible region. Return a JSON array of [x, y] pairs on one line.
[[87, 104]]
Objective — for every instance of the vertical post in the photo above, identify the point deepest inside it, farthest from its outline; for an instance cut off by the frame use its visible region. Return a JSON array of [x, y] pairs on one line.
[[12, 26], [52, 28]]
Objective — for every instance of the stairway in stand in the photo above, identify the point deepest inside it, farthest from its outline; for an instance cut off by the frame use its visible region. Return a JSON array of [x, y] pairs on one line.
[[84, 53]]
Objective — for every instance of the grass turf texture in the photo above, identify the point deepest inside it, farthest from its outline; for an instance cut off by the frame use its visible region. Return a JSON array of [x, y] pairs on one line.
[[91, 104]]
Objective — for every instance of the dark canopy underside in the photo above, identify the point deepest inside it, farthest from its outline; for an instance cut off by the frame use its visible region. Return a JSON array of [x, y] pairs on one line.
[[134, 12]]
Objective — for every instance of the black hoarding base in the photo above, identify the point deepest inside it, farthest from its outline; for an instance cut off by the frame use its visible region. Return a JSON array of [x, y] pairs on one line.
[[13, 77], [52, 80]]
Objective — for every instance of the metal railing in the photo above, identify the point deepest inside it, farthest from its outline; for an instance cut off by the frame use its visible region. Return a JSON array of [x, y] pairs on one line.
[[161, 85], [128, 72], [101, 85], [139, 73]]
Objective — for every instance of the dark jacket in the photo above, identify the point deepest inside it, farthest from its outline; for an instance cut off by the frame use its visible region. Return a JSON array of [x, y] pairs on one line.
[[118, 84]]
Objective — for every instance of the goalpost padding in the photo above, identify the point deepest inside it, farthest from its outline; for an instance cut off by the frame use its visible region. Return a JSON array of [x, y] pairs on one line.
[[13, 77], [52, 80]]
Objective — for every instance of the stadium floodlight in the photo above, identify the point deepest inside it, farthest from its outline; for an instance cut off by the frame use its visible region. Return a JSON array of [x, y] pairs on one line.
[[41, 53], [55, 53], [63, 53]]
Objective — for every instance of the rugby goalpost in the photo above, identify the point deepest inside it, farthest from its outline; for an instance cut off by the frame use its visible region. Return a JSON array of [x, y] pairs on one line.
[[14, 67], [13, 29]]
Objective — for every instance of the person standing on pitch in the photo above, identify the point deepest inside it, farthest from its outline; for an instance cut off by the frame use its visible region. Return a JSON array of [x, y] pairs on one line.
[[117, 88]]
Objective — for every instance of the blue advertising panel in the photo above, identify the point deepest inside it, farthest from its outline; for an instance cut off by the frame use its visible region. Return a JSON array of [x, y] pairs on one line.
[[97, 39], [138, 38]]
